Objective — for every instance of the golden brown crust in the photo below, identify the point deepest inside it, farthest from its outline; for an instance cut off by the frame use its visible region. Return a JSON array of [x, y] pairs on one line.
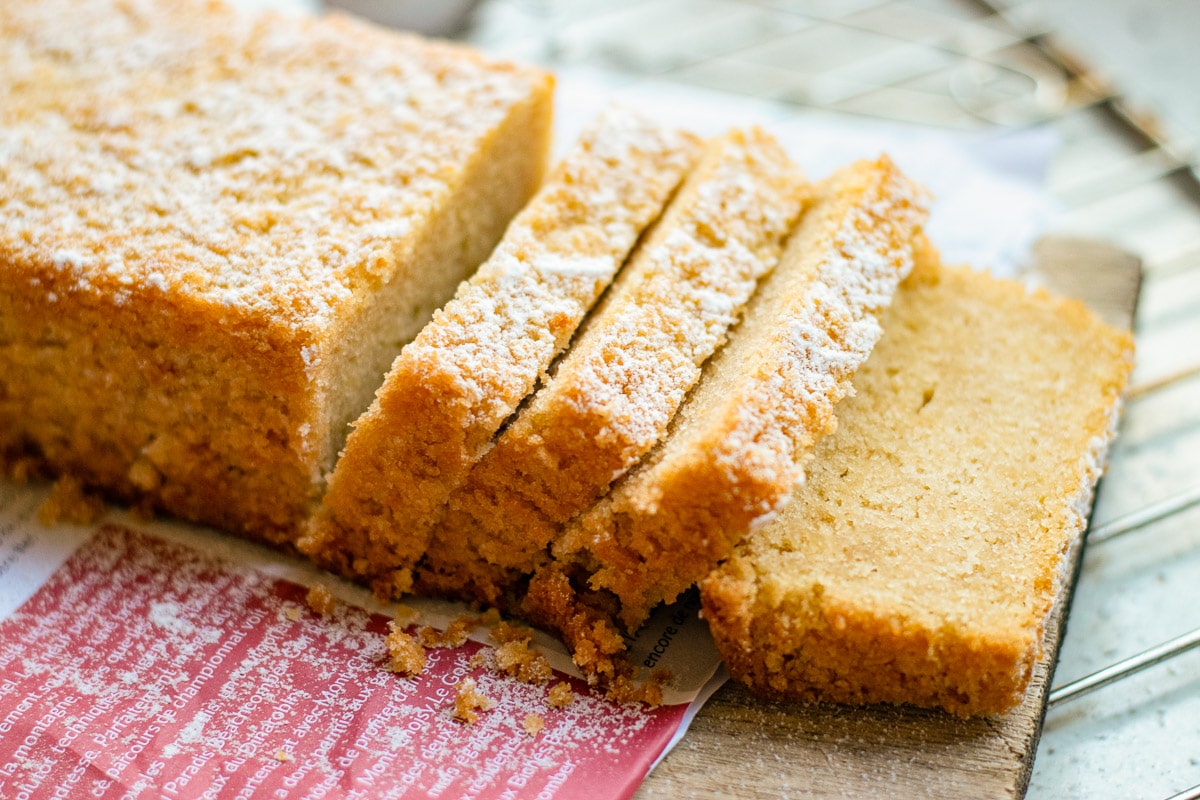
[[123, 413], [739, 444], [861, 660], [613, 395], [197, 359], [920, 559]]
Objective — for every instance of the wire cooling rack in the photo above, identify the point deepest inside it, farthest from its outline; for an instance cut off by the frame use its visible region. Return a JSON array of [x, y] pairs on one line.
[[1124, 714]]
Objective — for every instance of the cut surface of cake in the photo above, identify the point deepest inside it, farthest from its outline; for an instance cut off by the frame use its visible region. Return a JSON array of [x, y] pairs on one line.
[[217, 229], [919, 561], [450, 390], [614, 393], [740, 444]]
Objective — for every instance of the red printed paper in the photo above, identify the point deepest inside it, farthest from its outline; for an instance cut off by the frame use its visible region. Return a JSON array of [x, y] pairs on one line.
[[145, 668]]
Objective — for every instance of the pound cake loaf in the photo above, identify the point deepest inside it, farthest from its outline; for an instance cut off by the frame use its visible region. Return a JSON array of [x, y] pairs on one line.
[[217, 230], [450, 389], [740, 444], [919, 561], [613, 395]]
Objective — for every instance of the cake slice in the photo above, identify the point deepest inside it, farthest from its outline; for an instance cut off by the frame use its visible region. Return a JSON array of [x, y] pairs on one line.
[[613, 395], [217, 229], [741, 442], [450, 390], [919, 561]]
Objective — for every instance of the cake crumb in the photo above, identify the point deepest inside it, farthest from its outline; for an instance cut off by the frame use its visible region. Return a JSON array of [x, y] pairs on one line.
[[515, 657], [389, 586], [144, 475], [516, 660], [533, 724], [454, 636], [68, 502], [623, 689], [405, 615], [407, 654], [469, 701], [292, 613], [283, 755], [479, 660], [490, 617], [321, 600], [21, 470], [560, 695], [505, 632], [651, 693]]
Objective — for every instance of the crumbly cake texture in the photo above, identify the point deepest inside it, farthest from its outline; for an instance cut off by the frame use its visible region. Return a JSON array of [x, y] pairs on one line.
[[533, 724], [320, 600], [740, 444], [518, 660], [920, 559], [70, 502], [613, 395], [469, 701], [217, 229], [406, 656], [450, 390], [560, 695]]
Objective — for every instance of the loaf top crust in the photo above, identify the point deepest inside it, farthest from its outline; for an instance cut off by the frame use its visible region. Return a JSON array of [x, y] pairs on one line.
[[277, 168]]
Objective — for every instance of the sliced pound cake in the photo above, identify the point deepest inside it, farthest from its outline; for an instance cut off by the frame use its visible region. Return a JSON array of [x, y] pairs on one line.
[[919, 560], [741, 442], [216, 231], [613, 395], [450, 390]]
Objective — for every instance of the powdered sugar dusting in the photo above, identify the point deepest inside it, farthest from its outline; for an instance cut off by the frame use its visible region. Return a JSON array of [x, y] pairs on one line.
[[269, 164], [481, 355], [279, 706], [830, 333], [814, 326], [644, 349], [166, 616], [508, 322], [1091, 466], [640, 357], [614, 394]]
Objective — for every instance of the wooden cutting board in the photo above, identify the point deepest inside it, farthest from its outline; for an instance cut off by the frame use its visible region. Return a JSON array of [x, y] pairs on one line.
[[740, 746]]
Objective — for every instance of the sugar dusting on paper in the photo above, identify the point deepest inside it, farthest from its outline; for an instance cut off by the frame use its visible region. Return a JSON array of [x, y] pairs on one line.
[[146, 668]]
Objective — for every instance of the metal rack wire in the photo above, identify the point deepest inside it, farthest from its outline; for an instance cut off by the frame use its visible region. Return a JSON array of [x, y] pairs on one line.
[[968, 65]]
